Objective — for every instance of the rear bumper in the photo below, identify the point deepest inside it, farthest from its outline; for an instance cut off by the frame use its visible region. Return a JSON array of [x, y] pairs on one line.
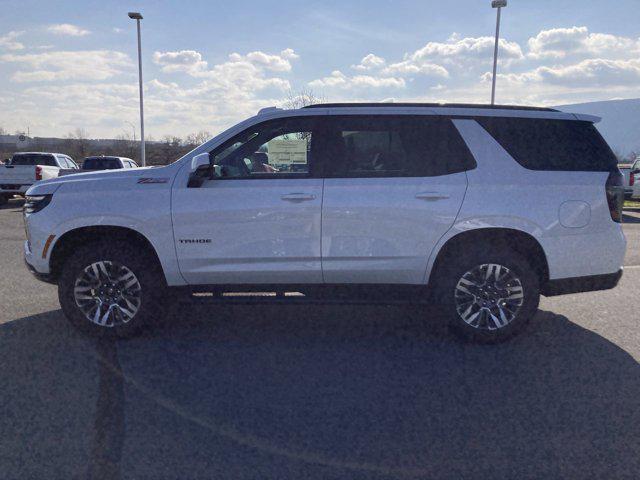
[[591, 283]]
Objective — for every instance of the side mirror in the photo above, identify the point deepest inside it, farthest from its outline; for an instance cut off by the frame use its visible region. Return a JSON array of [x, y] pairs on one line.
[[200, 170], [200, 160]]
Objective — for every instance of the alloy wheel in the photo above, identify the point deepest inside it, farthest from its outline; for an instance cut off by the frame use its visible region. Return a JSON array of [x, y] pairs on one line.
[[108, 293], [489, 297]]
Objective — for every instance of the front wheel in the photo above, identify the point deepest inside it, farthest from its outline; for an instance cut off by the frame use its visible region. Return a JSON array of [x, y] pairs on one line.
[[488, 294], [110, 290]]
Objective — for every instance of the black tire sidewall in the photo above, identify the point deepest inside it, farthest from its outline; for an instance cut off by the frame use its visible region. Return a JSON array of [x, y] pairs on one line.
[[148, 273], [465, 261]]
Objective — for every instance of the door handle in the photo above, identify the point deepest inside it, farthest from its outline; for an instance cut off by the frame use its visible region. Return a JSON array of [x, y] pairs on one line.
[[297, 197], [432, 196]]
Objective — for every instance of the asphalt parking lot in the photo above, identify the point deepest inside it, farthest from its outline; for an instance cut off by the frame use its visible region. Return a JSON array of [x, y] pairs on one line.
[[318, 392]]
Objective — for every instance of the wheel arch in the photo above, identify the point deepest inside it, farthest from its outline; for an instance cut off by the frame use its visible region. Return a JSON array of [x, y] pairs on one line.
[[72, 239], [522, 242]]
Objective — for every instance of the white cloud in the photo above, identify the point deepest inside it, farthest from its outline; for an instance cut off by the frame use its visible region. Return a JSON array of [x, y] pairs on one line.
[[370, 62], [276, 63], [68, 29], [559, 43], [593, 73], [409, 67], [8, 41], [188, 61], [68, 65], [117, 30], [457, 50], [337, 79]]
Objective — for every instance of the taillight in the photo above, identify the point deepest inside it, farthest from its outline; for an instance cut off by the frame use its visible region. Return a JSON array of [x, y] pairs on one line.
[[615, 194], [38, 172]]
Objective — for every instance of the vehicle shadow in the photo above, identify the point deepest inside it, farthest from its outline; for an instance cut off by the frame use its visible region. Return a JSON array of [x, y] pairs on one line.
[[626, 218], [315, 392]]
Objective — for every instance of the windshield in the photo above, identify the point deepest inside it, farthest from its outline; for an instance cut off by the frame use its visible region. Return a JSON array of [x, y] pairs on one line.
[[101, 163], [33, 159]]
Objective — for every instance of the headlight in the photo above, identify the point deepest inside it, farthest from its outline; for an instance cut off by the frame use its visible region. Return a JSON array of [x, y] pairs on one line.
[[35, 203]]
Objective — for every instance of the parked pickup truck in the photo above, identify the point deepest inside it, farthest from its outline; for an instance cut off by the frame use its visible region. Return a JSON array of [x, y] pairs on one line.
[[26, 168], [631, 173], [92, 164]]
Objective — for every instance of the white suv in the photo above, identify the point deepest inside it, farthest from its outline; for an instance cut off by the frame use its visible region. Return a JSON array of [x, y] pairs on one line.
[[484, 208]]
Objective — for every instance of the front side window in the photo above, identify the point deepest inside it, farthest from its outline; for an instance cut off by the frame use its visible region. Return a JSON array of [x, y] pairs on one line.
[[392, 146], [271, 149]]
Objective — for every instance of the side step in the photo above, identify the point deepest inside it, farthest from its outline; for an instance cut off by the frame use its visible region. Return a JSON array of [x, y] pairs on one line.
[[321, 297]]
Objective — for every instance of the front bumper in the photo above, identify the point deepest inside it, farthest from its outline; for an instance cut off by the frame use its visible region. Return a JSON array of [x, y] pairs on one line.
[[30, 263], [591, 283], [43, 277]]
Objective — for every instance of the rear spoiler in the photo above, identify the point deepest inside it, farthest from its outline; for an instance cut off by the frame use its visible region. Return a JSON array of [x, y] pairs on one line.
[[587, 118]]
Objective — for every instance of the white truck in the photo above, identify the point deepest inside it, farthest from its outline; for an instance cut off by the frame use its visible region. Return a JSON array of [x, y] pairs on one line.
[[479, 208], [26, 168], [631, 175]]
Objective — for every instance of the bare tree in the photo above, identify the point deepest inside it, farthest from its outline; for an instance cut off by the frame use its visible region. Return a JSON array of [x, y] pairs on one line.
[[79, 143], [197, 138], [302, 98]]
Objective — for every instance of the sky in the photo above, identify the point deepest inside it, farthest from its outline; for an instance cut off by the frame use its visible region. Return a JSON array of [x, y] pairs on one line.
[[67, 65]]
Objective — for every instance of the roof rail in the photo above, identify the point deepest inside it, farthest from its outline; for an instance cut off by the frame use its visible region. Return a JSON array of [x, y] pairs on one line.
[[432, 105], [266, 110]]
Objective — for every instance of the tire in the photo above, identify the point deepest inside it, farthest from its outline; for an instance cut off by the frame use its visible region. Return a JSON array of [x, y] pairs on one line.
[[3, 199], [107, 274], [512, 287]]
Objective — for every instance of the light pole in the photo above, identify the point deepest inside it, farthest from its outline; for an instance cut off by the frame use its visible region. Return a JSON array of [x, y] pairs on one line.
[[499, 4], [137, 17]]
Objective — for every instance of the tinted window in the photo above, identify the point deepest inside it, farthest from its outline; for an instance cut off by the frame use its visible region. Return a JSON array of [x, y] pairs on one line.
[[388, 146], [274, 148], [552, 144], [101, 163], [33, 159]]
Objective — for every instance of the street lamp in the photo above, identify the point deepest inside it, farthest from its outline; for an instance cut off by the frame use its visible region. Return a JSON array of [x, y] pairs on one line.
[[499, 4], [137, 17]]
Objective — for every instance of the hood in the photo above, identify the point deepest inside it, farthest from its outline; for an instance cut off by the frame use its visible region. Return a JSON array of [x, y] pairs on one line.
[[49, 186]]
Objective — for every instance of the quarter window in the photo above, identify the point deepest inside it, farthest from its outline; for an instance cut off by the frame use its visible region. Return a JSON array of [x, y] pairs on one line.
[[543, 144]]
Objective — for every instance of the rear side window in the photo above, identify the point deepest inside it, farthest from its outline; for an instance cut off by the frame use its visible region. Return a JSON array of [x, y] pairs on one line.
[[391, 146], [539, 144], [33, 159], [101, 163]]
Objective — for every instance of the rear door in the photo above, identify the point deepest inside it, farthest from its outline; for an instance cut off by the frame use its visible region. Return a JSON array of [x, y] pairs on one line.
[[393, 187]]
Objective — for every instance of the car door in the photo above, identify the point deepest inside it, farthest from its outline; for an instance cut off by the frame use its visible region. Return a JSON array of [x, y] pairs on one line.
[[393, 187], [258, 220]]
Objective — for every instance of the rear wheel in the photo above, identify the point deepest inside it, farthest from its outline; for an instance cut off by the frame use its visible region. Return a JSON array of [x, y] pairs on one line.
[[4, 198], [110, 290], [488, 294]]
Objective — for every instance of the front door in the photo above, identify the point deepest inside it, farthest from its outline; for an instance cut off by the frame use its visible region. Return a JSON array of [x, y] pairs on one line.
[[258, 220], [393, 187]]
